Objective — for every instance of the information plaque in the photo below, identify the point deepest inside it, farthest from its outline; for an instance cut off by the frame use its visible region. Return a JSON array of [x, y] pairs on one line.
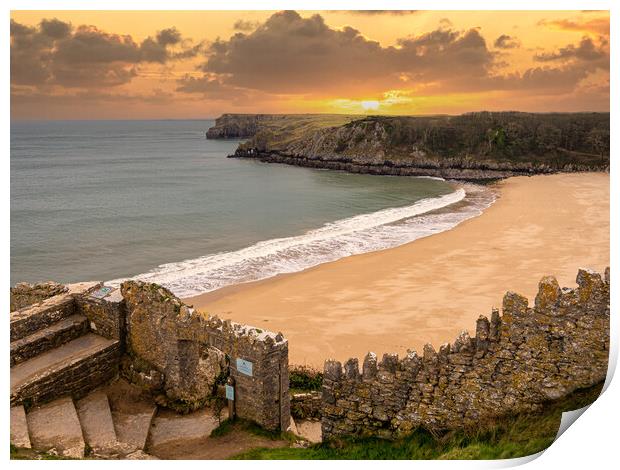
[[245, 367]]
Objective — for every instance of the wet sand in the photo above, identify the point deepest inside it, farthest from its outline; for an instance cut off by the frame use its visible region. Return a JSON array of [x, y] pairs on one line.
[[433, 288]]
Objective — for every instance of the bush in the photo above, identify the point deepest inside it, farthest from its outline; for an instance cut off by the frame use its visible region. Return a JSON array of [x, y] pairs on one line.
[[305, 378]]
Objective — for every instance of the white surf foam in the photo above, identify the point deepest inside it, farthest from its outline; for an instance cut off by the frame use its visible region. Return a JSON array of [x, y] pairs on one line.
[[354, 235]]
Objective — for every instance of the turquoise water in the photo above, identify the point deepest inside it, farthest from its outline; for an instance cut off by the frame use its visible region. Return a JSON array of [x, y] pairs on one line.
[[113, 199]]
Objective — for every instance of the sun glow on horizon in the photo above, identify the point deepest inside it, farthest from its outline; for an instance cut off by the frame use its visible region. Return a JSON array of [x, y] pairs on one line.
[[370, 105]]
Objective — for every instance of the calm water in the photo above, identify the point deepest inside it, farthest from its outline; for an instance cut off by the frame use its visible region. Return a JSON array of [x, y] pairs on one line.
[[113, 199]]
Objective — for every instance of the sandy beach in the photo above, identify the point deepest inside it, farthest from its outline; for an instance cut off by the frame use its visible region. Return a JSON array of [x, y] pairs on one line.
[[433, 288]]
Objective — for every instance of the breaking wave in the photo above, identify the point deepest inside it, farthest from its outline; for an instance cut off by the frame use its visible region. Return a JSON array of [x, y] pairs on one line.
[[363, 233]]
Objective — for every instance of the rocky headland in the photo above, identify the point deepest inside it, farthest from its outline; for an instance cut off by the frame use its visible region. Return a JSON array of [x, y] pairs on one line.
[[472, 146]]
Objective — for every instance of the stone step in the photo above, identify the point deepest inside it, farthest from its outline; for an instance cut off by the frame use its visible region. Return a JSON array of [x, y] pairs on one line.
[[48, 338], [74, 368], [132, 429], [96, 420], [36, 317], [169, 427], [55, 427], [19, 428]]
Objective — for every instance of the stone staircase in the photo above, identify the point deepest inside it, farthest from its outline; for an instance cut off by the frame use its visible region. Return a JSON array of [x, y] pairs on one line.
[[76, 428], [66, 396], [56, 359], [116, 421], [54, 353]]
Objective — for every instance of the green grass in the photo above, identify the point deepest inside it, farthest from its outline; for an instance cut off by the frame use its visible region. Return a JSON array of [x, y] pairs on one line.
[[510, 437]]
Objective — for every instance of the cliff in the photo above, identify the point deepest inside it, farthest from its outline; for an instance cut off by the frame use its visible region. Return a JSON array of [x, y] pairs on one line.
[[243, 126], [471, 146]]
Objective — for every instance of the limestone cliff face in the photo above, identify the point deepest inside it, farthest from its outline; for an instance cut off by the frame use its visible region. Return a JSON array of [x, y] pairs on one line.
[[237, 126], [471, 146]]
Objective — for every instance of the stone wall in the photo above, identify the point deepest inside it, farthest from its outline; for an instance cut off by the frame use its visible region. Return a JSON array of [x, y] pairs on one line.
[[24, 294], [76, 380], [36, 317], [306, 405], [515, 363], [170, 343], [106, 315]]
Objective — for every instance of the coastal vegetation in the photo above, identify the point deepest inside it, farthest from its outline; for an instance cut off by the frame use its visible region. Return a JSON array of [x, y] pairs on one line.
[[304, 378], [510, 437], [506, 141]]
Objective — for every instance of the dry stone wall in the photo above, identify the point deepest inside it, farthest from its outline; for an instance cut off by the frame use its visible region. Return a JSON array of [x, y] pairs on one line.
[[190, 354], [106, 315], [306, 405], [24, 294], [38, 316], [515, 362]]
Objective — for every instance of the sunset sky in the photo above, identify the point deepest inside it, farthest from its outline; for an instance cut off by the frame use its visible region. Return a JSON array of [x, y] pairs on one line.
[[184, 64]]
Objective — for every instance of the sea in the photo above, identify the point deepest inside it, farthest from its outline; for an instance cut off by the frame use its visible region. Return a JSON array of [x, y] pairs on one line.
[[156, 201]]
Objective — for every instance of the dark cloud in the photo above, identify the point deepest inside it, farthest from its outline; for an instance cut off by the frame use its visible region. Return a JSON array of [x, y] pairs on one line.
[[209, 87], [56, 53], [291, 54], [586, 50], [55, 29], [168, 36], [506, 42]]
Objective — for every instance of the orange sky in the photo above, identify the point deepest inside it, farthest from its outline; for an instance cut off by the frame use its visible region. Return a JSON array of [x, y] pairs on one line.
[[184, 64]]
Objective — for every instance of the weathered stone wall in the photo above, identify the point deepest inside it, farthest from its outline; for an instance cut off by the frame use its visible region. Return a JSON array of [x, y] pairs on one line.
[[515, 363], [106, 316], [191, 353], [31, 319], [306, 405], [76, 380], [24, 294], [46, 339]]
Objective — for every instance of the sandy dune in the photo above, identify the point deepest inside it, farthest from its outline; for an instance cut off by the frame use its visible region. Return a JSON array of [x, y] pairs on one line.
[[433, 288]]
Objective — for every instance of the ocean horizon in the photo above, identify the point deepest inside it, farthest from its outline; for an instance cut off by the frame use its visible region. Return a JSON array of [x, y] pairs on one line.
[[154, 200]]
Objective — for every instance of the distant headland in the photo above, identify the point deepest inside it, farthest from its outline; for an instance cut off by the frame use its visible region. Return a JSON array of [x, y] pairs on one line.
[[471, 146]]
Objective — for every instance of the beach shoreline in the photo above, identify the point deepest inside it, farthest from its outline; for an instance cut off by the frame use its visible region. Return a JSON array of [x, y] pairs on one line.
[[431, 289]]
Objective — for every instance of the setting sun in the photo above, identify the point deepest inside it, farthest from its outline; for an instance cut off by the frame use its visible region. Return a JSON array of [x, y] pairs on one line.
[[370, 105]]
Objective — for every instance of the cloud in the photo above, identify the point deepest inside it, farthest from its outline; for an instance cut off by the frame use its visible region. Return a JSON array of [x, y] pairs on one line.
[[289, 54], [294, 55], [56, 53], [243, 25], [595, 25], [168, 36], [55, 29], [211, 88], [586, 50], [505, 41]]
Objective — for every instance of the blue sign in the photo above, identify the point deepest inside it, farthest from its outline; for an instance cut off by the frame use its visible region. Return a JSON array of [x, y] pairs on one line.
[[230, 392], [245, 367]]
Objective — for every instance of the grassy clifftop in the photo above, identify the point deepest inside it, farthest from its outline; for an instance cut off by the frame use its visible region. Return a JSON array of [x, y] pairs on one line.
[[507, 142], [282, 129]]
